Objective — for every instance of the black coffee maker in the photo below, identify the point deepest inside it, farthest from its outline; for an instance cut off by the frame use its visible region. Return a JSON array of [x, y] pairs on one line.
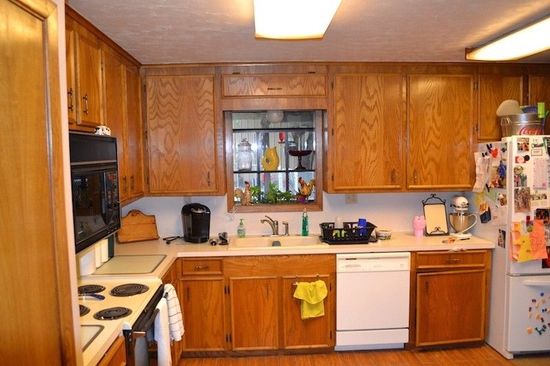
[[196, 223]]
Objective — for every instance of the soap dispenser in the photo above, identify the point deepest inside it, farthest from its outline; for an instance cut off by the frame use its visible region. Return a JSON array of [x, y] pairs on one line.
[[241, 231]]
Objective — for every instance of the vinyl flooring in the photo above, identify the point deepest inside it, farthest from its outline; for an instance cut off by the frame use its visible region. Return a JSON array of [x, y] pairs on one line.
[[476, 356]]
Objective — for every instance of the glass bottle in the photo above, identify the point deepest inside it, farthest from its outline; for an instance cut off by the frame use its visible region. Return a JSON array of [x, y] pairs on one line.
[[244, 156]]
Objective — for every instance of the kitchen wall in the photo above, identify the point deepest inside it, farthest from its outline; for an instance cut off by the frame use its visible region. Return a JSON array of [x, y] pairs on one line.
[[388, 210]]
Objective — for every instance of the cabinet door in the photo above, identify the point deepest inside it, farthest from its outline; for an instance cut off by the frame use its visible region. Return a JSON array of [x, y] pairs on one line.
[[203, 314], [366, 148], [88, 70], [450, 307], [539, 91], [70, 40], [308, 333], [254, 312], [441, 120], [493, 90], [114, 112], [181, 134], [134, 133]]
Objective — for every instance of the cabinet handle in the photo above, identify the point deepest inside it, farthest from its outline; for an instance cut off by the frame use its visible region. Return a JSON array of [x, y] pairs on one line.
[[208, 178], [202, 267], [393, 176], [85, 99], [274, 88], [132, 182], [70, 95], [415, 176], [453, 260]]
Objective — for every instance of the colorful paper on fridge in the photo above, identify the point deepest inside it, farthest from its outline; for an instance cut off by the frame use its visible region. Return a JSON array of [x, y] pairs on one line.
[[528, 245]]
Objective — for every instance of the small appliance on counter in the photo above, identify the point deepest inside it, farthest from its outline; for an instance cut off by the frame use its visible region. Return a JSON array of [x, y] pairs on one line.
[[196, 223], [461, 221]]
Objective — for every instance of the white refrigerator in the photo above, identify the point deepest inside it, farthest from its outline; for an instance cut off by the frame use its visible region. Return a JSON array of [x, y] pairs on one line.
[[512, 197]]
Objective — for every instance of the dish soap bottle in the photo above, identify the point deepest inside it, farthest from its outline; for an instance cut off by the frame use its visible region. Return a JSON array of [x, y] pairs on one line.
[[241, 231], [305, 223]]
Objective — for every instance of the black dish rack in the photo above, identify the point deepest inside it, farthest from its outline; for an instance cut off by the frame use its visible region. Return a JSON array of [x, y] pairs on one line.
[[351, 233]]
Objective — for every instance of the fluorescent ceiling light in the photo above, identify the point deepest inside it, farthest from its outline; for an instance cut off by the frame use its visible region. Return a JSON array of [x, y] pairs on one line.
[[522, 43], [293, 19]]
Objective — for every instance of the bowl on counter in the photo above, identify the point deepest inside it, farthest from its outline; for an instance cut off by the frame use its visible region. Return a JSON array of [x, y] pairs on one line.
[[383, 234]]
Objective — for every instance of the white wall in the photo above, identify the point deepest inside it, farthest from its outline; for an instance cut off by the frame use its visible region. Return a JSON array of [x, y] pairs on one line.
[[388, 210]]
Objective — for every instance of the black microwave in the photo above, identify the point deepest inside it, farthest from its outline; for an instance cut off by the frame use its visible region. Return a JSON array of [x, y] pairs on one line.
[[94, 183]]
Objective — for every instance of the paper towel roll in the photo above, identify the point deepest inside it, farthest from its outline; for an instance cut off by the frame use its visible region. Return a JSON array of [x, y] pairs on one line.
[[97, 253], [86, 263], [104, 250]]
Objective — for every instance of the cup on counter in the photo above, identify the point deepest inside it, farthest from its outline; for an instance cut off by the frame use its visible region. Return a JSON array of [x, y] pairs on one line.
[[362, 226]]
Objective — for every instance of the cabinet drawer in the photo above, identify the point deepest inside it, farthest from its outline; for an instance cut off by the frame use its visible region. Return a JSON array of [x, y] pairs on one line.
[[201, 266], [274, 85], [428, 260]]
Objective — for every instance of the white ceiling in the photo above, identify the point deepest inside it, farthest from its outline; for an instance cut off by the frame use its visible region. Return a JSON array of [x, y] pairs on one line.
[[193, 31]]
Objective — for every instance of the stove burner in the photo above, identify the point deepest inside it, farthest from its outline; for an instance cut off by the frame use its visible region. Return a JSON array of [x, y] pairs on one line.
[[112, 313], [90, 289], [129, 289], [83, 310]]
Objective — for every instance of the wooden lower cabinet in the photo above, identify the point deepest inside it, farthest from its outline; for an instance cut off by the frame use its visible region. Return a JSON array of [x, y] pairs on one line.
[[254, 313], [252, 308], [451, 297], [116, 354]]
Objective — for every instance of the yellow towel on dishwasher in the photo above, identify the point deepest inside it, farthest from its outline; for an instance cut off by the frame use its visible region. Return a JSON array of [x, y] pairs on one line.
[[312, 295]]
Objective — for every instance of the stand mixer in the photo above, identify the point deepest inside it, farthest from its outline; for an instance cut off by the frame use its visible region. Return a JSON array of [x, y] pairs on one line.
[[461, 220]]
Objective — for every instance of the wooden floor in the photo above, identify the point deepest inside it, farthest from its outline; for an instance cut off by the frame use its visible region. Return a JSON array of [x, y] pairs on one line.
[[478, 356]]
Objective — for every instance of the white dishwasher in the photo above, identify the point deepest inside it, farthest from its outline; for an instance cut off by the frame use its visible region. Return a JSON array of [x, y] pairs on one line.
[[372, 300]]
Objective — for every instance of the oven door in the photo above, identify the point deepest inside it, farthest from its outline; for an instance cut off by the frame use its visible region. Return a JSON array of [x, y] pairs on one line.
[[137, 344], [96, 209]]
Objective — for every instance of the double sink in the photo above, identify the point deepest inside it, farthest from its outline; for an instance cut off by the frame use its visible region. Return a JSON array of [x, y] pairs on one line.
[[275, 242]]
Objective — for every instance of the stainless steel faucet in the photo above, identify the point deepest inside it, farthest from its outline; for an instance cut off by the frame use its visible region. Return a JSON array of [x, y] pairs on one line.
[[273, 223], [285, 224]]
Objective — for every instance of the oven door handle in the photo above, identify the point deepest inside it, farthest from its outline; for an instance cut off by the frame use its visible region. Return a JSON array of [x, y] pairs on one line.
[[141, 332]]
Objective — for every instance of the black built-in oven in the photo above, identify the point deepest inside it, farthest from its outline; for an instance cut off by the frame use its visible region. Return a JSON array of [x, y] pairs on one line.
[[94, 181]]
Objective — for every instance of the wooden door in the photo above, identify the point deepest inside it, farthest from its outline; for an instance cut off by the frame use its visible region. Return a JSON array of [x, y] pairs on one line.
[[254, 313], [366, 149], [308, 333], [539, 91], [181, 134], [114, 75], [203, 313], [440, 128], [88, 70], [450, 307], [36, 302], [70, 51], [493, 90], [134, 133]]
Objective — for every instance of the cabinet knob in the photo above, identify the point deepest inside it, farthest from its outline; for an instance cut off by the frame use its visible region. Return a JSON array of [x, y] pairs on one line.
[[201, 267]]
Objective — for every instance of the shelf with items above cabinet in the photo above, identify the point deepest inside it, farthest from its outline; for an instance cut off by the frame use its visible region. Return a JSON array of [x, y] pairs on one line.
[[273, 162]]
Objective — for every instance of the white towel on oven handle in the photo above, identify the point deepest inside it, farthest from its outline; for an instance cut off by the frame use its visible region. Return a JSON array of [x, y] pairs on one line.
[[162, 334], [175, 319]]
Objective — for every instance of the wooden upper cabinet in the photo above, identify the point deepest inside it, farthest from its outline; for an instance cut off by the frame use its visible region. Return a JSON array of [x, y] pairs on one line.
[[115, 112], [365, 141], [441, 120], [84, 77], [493, 90], [274, 85], [184, 146], [134, 135], [539, 91]]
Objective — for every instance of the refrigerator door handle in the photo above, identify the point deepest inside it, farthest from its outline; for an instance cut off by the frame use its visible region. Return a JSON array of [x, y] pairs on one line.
[[536, 283]]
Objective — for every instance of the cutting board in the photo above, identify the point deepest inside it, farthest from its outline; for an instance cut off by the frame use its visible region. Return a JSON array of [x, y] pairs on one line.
[[136, 226]]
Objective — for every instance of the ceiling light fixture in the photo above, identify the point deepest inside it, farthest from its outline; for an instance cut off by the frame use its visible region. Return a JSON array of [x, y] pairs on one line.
[[293, 19], [519, 44]]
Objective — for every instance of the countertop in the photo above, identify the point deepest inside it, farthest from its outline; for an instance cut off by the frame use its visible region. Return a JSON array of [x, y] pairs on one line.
[[400, 242]]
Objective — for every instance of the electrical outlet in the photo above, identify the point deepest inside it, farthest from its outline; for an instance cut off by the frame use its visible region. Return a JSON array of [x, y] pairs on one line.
[[351, 199]]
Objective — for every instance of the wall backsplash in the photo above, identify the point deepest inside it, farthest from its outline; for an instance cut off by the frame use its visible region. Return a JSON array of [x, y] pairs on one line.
[[387, 210]]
